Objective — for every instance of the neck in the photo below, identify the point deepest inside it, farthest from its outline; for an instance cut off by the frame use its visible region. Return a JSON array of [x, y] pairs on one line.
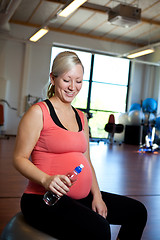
[[59, 104]]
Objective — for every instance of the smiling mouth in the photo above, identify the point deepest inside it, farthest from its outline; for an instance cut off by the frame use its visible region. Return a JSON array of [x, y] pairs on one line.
[[70, 93]]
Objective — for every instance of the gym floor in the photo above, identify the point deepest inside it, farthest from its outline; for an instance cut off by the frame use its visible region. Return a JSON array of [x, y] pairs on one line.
[[119, 169]]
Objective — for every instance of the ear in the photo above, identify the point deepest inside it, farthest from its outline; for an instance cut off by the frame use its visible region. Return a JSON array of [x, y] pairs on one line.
[[52, 78]]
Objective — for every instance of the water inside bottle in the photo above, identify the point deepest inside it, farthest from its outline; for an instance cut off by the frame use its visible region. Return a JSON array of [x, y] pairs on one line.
[[50, 198]]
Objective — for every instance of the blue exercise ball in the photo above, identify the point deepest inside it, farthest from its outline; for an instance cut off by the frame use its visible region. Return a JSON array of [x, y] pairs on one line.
[[135, 106], [149, 118], [149, 105], [157, 123]]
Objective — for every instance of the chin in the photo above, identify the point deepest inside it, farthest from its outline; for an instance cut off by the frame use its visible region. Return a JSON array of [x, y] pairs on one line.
[[68, 100]]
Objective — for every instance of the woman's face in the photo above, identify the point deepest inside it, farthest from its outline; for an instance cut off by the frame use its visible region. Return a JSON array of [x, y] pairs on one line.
[[68, 85]]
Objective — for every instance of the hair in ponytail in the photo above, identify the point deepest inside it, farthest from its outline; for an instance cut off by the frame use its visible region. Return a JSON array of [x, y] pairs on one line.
[[51, 90]]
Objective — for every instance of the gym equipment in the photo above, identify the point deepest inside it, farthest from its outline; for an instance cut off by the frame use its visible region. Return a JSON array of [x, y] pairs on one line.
[[113, 128], [2, 136], [123, 118], [149, 105], [132, 134], [135, 106], [2, 116], [135, 117], [149, 117], [148, 130], [157, 123], [18, 229]]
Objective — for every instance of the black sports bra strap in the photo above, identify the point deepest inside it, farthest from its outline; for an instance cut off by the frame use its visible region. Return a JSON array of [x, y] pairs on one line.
[[78, 119], [53, 114], [56, 119], [49, 104]]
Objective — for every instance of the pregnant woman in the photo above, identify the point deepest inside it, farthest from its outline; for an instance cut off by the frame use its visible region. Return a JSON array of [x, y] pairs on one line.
[[53, 139]]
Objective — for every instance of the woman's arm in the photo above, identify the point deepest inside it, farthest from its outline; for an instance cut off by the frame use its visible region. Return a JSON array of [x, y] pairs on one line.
[[97, 205], [28, 134]]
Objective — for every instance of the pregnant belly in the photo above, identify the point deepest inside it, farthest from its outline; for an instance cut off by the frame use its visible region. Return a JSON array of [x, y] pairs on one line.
[[82, 185], [65, 163]]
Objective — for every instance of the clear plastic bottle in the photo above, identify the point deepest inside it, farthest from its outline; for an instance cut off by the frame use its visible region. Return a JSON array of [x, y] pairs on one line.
[[51, 198]]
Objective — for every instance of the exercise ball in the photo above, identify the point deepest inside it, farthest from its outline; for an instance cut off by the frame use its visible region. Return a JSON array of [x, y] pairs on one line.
[[149, 118], [157, 123], [17, 229], [135, 106], [123, 118], [149, 105], [135, 117]]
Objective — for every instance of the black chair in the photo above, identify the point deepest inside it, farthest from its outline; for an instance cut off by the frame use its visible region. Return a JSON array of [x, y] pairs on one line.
[[111, 127], [19, 229]]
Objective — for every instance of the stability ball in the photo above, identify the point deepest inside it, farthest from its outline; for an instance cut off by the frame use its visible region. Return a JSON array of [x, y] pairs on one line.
[[135, 117], [123, 118], [149, 105], [18, 229], [135, 106], [157, 123], [149, 118]]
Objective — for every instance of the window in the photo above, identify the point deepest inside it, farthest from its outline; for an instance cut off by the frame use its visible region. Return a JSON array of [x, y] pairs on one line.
[[109, 90], [109, 86]]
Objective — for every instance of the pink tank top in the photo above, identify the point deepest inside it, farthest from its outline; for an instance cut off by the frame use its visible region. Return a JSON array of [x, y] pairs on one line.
[[59, 151]]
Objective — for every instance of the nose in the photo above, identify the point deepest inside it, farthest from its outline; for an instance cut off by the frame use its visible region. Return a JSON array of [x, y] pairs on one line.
[[71, 85]]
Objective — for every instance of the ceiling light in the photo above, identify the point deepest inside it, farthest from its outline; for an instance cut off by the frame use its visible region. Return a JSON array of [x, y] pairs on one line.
[[141, 53], [39, 34], [71, 8]]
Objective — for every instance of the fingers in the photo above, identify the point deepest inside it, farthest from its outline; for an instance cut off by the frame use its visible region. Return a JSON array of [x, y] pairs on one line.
[[60, 185], [66, 180], [103, 213], [100, 207]]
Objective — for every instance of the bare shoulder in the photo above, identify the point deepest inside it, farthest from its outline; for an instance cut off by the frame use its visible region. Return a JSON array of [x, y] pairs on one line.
[[86, 127], [85, 118], [29, 131], [33, 117], [34, 111]]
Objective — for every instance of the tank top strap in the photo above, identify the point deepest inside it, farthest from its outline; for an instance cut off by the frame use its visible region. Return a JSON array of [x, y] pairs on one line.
[[45, 113], [56, 119], [81, 116], [53, 114]]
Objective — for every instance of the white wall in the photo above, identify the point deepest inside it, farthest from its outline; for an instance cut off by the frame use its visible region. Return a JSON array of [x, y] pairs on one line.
[[12, 61], [144, 83], [24, 69]]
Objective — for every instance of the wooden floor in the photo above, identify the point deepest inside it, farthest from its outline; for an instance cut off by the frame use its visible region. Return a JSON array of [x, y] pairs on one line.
[[119, 169]]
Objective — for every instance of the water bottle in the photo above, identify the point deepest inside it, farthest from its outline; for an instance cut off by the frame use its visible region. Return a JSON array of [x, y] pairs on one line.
[[51, 198]]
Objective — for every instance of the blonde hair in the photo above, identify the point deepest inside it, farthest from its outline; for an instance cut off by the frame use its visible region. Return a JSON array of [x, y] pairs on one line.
[[63, 63]]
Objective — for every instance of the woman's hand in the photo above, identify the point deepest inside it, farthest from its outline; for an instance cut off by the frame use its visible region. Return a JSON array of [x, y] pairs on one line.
[[99, 206], [58, 184]]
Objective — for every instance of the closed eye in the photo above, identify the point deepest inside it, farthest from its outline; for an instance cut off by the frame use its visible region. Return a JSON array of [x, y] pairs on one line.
[[65, 80]]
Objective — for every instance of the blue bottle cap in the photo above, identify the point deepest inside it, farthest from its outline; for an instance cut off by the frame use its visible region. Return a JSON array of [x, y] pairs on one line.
[[79, 168]]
